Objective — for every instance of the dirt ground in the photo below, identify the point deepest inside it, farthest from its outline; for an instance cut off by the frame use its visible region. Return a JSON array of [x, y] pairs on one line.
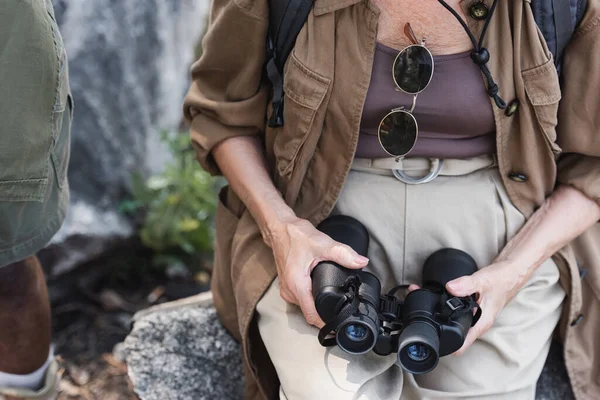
[[89, 368], [92, 311]]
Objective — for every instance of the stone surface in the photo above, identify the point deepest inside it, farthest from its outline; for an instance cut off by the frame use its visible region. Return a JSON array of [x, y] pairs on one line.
[[184, 353], [554, 382], [128, 63]]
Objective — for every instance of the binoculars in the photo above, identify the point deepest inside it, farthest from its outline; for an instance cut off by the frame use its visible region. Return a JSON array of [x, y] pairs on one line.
[[427, 324]]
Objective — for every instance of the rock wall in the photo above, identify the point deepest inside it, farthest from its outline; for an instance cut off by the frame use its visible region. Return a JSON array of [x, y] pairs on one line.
[[129, 62]]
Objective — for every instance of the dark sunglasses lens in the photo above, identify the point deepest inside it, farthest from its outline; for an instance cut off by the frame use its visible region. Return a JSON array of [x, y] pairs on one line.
[[413, 69], [398, 133]]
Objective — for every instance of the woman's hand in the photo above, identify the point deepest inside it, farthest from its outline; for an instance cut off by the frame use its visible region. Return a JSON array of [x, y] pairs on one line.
[[563, 216], [494, 286], [298, 247]]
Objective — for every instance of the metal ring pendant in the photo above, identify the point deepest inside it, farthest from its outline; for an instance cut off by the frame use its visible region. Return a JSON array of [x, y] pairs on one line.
[[409, 180]]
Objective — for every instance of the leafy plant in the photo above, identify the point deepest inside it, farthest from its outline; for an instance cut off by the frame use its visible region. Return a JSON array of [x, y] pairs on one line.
[[177, 205]]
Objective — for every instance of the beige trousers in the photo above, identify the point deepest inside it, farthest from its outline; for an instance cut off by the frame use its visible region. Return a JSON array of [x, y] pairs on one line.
[[465, 207]]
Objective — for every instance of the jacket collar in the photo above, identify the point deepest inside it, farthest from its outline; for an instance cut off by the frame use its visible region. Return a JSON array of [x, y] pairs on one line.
[[326, 6]]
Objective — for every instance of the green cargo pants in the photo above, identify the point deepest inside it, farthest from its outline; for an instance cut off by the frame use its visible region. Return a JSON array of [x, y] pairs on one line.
[[35, 122]]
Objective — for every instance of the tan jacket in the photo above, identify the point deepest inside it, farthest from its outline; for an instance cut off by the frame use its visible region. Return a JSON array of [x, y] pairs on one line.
[[326, 80]]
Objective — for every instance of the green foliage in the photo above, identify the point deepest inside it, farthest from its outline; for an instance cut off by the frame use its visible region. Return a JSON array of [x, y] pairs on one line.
[[177, 205]]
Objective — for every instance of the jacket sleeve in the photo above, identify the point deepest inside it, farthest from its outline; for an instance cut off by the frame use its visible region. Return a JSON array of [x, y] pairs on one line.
[[579, 110], [228, 96]]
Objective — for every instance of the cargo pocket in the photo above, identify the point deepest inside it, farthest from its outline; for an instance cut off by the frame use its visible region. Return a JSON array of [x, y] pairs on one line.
[[61, 148], [229, 211], [62, 114], [28, 83], [34, 98], [304, 92], [543, 90]]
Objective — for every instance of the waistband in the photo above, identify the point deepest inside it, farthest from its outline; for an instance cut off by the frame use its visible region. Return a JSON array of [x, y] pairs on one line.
[[415, 166]]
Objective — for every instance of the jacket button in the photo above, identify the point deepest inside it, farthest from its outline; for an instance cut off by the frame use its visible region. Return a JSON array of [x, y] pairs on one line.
[[517, 177], [512, 108], [577, 320], [479, 11]]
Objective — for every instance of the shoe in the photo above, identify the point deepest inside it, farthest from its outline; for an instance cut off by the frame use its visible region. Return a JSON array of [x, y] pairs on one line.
[[48, 392]]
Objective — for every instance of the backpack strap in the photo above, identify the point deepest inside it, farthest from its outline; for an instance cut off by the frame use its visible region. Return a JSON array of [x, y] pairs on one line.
[[287, 17], [563, 27], [557, 20]]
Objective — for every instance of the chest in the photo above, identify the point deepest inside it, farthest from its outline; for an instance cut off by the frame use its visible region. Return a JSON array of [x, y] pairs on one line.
[[326, 83], [429, 19]]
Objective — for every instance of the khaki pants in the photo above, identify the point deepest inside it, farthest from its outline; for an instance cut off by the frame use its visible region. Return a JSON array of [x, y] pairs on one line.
[[466, 207]]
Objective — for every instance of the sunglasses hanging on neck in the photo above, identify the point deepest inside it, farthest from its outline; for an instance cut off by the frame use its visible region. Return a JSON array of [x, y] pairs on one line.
[[412, 72]]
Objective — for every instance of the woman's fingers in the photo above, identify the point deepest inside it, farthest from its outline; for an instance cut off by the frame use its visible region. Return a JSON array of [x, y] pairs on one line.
[[495, 286], [286, 295], [481, 327], [307, 303], [345, 256], [413, 287], [299, 254], [295, 287], [464, 286]]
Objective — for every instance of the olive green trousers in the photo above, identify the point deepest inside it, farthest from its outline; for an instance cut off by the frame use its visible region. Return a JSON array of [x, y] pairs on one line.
[[35, 123]]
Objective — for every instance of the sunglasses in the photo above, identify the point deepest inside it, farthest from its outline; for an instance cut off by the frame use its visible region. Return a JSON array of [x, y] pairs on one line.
[[412, 72]]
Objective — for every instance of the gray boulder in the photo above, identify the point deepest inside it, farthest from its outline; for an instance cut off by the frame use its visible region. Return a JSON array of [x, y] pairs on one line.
[[180, 350], [554, 382], [128, 63]]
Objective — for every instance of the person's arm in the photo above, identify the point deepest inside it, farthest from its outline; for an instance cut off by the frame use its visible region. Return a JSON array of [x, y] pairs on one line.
[[563, 216], [297, 245], [575, 204], [242, 162], [226, 108]]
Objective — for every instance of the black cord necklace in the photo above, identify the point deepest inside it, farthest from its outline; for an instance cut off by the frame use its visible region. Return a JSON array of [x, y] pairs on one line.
[[480, 55]]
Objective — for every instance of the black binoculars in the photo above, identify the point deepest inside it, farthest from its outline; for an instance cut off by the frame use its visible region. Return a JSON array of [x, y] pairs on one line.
[[428, 324]]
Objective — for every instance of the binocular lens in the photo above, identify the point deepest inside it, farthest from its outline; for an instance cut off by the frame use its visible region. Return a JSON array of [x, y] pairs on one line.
[[419, 346], [357, 337], [356, 333], [418, 352]]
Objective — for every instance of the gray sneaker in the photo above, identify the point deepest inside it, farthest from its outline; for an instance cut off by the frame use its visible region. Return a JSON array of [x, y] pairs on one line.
[[48, 392]]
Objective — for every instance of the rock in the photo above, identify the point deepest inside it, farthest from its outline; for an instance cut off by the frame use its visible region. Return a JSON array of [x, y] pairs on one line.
[[119, 352], [183, 354], [128, 63], [554, 381], [180, 350]]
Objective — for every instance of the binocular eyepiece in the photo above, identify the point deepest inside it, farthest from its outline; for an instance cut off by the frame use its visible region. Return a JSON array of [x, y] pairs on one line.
[[428, 324]]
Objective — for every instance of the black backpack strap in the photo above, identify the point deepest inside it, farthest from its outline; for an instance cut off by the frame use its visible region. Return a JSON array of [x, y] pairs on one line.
[[276, 78], [287, 17], [563, 27], [580, 9], [557, 20]]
